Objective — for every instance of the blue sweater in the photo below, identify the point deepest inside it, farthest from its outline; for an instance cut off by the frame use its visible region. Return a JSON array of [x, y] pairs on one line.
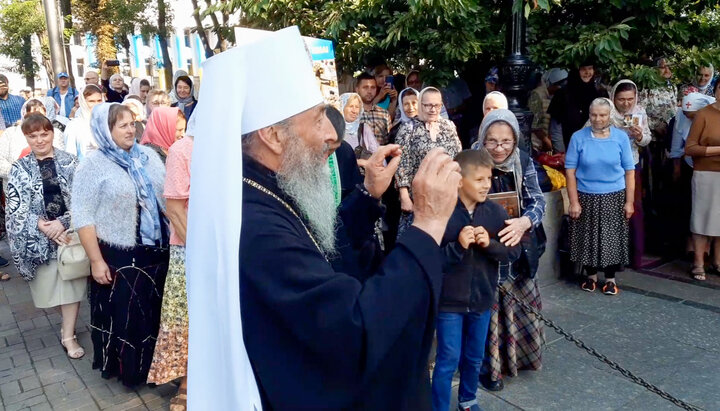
[[600, 163]]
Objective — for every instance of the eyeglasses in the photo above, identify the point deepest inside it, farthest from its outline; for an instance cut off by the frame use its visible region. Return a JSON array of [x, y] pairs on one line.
[[432, 106], [507, 145]]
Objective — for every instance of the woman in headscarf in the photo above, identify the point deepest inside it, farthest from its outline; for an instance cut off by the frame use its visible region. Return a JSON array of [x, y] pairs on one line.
[[118, 210], [114, 86], [139, 87], [360, 138], [569, 107], [136, 106], [600, 167], [165, 127], [38, 215], [171, 350], [680, 190], [13, 143], [413, 81], [79, 139], [408, 99], [703, 145], [702, 83], [177, 75], [185, 93], [51, 110], [632, 118], [515, 338], [417, 137]]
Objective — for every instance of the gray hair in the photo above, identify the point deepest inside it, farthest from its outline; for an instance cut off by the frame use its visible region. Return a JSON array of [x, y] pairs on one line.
[[602, 102]]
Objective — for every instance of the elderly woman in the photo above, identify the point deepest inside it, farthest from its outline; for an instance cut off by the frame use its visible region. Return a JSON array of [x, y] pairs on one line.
[[132, 101], [702, 83], [114, 85], [703, 145], [417, 137], [156, 98], [185, 95], [601, 185], [633, 119], [360, 137], [408, 99], [118, 211], [38, 214], [516, 347], [171, 350], [165, 127], [13, 142], [79, 139]]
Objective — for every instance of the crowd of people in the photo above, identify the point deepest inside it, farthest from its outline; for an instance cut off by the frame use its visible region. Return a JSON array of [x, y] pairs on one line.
[[108, 167]]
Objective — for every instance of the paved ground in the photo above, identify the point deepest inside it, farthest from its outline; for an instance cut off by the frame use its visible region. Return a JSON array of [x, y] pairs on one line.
[[666, 331]]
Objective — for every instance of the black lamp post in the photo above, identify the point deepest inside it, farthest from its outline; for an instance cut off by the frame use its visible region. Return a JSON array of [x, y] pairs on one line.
[[516, 70]]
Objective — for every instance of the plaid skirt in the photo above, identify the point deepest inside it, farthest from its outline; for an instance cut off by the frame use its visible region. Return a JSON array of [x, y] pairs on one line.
[[515, 339], [599, 238]]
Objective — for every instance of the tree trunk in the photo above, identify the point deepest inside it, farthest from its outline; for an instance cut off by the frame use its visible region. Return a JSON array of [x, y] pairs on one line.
[[200, 30], [28, 64], [163, 35], [45, 54], [66, 13], [217, 28]]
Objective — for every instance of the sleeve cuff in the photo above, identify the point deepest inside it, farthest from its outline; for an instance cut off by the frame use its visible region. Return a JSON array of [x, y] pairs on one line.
[[427, 253]]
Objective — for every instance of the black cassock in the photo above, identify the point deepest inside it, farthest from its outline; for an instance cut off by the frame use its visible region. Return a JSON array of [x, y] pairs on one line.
[[320, 339]]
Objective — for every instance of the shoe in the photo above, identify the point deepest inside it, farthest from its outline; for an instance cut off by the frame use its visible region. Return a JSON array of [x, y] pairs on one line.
[[75, 354], [4, 262], [698, 272], [589, 285], [491, 385], [610, 288], [473, 407]]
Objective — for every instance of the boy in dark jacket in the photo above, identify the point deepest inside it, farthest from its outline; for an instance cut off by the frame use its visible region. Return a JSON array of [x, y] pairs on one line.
[[473, 253]]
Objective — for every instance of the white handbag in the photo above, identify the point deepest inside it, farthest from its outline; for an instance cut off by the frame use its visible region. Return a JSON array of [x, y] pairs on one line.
[[73, 262]]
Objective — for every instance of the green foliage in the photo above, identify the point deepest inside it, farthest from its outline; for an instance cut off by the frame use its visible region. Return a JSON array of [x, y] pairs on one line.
[[19, 21]]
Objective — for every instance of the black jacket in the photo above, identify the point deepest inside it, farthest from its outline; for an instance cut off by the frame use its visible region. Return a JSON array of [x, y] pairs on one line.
[[471, 276]]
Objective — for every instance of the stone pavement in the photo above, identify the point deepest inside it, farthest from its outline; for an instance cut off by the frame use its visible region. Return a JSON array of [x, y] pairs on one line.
[[35, 372], [664, 331]]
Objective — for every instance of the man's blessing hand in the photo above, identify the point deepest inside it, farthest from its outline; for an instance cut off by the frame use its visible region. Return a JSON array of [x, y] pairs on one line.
[[378, 175]]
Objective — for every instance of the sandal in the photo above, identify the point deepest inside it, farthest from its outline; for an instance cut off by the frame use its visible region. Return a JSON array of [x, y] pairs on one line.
[[715, 269], [5, 277], [698, 273], [75, 354], [179, 401]]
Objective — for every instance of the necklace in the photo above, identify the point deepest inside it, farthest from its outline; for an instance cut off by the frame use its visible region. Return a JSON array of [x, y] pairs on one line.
[[260, 187]]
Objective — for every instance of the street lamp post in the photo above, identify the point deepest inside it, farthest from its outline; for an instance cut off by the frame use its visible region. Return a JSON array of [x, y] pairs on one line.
[[516, 70], [55, 40]]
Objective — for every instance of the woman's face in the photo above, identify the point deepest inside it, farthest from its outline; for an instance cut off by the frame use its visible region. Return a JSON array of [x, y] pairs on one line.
[[413, 81], [492, 103], [587, 73], [500, 141], [599, 117], [431, 106], [40, 142], [351, 110], [36, 109], [410, 105], [93, 100], [117, 83], [123, 133], [624, 101], [664, 69], [180, 128], [380, 77], [182, 89], [704, 76], [144, 90]]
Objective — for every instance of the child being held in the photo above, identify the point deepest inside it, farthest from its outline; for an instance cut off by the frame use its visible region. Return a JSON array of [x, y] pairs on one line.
[[473, 253]]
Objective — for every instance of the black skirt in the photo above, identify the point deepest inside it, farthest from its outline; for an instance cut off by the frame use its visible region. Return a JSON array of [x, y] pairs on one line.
[[599, 238], [125, 315]]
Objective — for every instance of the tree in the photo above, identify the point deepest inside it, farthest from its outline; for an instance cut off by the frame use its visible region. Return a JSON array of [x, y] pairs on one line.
[[163, 35], [20, 20]]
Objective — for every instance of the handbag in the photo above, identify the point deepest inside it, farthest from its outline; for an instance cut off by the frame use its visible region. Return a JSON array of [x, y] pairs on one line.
[[361, 151], [73, 262]]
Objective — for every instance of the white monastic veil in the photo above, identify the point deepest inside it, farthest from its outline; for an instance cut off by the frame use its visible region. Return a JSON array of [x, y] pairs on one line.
[[239, 94]]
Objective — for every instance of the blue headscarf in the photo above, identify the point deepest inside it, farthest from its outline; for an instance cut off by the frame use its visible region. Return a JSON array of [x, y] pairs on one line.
[[131, 161]]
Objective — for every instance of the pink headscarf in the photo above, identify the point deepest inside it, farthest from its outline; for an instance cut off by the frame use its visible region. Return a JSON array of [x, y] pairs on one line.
[[160, 128]]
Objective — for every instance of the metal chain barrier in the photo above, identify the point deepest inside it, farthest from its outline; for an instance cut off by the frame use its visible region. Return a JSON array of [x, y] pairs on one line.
[[615, 366]]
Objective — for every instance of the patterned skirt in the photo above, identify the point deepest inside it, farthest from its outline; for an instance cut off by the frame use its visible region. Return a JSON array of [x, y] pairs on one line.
[[599, 238], [171, 350], [125, 315], [515, 339]]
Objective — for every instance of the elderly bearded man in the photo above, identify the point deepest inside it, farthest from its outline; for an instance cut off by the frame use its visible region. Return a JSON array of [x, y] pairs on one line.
[[316, 338]]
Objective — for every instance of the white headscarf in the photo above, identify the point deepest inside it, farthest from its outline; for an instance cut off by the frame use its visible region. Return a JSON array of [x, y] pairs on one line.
[[113, 77], [704, 89], [498, 95], [135, 86], [351, 127], [132, 99], [403, 117]]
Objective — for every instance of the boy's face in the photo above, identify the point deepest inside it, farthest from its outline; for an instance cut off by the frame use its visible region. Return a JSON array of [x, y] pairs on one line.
[[475, 184]]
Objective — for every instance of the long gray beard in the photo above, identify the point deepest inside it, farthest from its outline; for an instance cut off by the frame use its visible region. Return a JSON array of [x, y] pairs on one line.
[[305, 177]]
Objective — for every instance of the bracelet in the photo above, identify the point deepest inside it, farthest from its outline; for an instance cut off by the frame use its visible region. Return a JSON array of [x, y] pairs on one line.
[[364, 190]]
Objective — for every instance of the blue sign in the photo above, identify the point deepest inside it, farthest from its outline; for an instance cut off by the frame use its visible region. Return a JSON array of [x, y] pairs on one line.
[[320, 49]]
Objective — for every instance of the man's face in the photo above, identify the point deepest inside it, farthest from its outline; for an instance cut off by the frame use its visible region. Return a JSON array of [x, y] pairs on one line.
[[664, 69], [315, 130], [91, 77], [63, 82], [3, 89], [367, 89]]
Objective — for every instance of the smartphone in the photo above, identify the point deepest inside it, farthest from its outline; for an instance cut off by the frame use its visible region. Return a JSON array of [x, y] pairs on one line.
[[389, 80], [112, 63]]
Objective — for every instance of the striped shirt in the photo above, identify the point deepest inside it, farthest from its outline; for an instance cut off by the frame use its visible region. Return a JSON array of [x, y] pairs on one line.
[[10, 108], [379, 119]]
